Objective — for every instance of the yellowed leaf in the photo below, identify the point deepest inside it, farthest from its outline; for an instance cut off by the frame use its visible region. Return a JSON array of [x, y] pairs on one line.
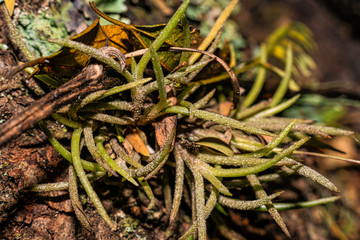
[[139, 146], [10, 5]]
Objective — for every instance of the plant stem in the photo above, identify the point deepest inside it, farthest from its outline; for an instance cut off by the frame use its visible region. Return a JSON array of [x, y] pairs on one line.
[[15, 35], [220, 119]]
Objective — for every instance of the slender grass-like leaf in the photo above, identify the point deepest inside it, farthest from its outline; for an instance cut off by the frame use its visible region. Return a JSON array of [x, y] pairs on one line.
[[261, 194], [95, 53], [296, 205], [187, 39], [220, 119], [239, 172], [278, 108], [179, 182], [75, 153], [276, 124], [259, 81], [148, 192], [204, 100], [210, 204], [111, 105], [89, 166], [245, 205], [251, 110], [156, 44], [121, 153], [216, 144], [167, 193], [214, 181], [157, 158], [205, 172], [238, 160], [313, 175], [159, 75], [130, 85], [200, 204], [273, 144], [16, 35], [47, 187], [91, 146], [67, 122], [109, 119], [215, 29], [283, 86], [86, 100], [111, 162], [75, 201]]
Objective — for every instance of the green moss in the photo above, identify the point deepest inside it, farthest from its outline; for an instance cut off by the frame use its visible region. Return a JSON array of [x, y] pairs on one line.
[[37, 28], [129, 226]]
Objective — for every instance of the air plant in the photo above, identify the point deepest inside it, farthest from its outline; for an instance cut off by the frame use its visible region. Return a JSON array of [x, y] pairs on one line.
[[211, 145]]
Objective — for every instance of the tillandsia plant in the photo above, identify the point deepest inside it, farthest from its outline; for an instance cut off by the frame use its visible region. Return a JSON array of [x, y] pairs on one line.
[[138, 105]]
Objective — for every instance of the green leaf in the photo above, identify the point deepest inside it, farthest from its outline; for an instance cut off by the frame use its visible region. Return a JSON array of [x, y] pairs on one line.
[[216, 144], [296, 205], [283, 86]]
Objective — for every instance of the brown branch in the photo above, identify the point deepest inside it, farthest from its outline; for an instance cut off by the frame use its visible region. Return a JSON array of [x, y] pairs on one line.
[[87, 81]]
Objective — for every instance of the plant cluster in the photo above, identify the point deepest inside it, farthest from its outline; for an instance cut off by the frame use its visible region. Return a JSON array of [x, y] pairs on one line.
[[175, 123]]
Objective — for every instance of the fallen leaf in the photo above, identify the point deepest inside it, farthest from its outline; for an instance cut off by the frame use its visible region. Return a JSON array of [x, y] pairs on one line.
[[128, 147], [225, 108], [138, 144], [227, 136], [164, 127]]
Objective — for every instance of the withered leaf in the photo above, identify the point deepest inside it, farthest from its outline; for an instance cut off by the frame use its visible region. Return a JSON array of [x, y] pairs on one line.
[[67, 62], [227, 136], [125, 37], [134, 138], [141, 36], [225, 108], [164, 127]]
